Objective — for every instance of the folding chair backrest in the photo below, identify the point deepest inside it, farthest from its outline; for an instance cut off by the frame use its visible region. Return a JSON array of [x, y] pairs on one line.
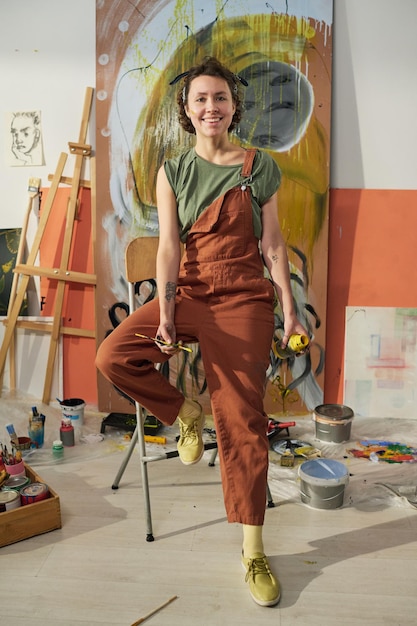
[[140, 259]]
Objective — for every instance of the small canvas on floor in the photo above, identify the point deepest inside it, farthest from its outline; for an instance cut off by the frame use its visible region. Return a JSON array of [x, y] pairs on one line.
[[381, 361]]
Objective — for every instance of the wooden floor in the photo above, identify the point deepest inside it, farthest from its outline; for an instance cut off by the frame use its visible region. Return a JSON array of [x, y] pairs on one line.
[[355, 565]]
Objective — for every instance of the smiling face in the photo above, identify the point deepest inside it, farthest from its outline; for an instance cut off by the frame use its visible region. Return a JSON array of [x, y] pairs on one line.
[[24, 133], [210, 105]]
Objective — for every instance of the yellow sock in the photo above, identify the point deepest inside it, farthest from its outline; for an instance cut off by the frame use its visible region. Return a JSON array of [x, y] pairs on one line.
[[189, 411], [252, 540]]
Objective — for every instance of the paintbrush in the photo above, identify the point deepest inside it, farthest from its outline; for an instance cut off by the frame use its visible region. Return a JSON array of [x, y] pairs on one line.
[[33, 186], [12, 434], [145, 617], [165, 343]]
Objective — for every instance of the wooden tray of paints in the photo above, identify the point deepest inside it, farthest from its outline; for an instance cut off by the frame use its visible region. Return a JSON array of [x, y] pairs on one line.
[[31, 519]]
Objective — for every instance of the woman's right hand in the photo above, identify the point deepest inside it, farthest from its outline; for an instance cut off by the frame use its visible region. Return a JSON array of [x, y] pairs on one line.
[[168, 334]]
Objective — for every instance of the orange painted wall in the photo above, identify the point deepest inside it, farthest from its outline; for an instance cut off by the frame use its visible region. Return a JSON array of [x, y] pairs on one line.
[[79, 373], [372, 262]]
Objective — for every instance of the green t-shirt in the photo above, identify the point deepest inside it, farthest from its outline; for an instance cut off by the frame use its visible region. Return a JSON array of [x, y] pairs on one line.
[[197, 183]]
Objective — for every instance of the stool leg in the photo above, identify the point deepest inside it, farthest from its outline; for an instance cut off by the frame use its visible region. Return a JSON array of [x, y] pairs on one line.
[[138, 438], [213, 457], [144, 472], [270, 502], [129, 452]]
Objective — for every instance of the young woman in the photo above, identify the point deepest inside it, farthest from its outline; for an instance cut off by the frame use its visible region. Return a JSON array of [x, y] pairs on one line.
[[220, 200]]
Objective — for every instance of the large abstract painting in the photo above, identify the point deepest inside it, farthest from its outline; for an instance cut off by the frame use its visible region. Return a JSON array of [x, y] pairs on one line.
[[283, 49]]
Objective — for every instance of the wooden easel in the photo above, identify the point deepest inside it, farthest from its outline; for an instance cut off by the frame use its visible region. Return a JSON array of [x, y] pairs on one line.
[[34, 193], [61, 274]]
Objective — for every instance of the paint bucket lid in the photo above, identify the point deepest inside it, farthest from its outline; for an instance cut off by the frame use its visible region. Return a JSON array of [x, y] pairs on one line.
[[323, 472], [15, 483], [72, 402], [337, 413]]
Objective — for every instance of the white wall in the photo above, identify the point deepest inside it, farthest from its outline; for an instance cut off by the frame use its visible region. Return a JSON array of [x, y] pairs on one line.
[[374, 129], [47, 59]]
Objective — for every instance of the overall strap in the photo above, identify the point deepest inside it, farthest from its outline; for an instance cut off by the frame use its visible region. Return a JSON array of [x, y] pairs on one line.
[[248, 163]]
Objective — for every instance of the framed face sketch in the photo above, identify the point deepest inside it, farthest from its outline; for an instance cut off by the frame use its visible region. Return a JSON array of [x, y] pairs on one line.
[[283, 50], [24, 147]]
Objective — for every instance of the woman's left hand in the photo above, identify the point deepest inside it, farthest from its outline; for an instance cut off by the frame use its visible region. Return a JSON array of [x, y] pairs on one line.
[[293, 326]]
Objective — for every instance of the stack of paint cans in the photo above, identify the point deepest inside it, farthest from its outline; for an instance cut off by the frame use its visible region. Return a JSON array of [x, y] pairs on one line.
[[10, 492], [19, 491], [16, 489]]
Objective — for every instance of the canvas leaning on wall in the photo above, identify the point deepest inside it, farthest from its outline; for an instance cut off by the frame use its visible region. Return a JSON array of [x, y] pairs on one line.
[[381, 361]]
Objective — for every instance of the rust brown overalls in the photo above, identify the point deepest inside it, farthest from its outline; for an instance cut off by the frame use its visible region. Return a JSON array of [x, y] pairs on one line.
[[226, 304]]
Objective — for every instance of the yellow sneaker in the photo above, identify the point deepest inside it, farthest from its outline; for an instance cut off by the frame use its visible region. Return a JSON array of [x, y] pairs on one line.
[[263, 586], [190, 445]]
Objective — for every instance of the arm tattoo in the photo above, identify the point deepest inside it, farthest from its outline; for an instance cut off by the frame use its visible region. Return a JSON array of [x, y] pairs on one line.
[[275, 258], [170, 289]]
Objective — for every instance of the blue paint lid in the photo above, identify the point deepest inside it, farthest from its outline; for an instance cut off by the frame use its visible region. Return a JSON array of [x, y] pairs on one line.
[[324, 472]]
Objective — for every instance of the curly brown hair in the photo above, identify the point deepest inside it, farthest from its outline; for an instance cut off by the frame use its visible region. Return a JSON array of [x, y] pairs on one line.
[[210, 66]]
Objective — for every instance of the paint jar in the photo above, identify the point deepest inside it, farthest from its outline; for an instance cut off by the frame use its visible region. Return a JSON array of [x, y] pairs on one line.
[[66, 432], [36, 433], [24, 443], [73, 408], [36, 428], [35, 492], [17, 469], [57, 449], [9, 500]]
